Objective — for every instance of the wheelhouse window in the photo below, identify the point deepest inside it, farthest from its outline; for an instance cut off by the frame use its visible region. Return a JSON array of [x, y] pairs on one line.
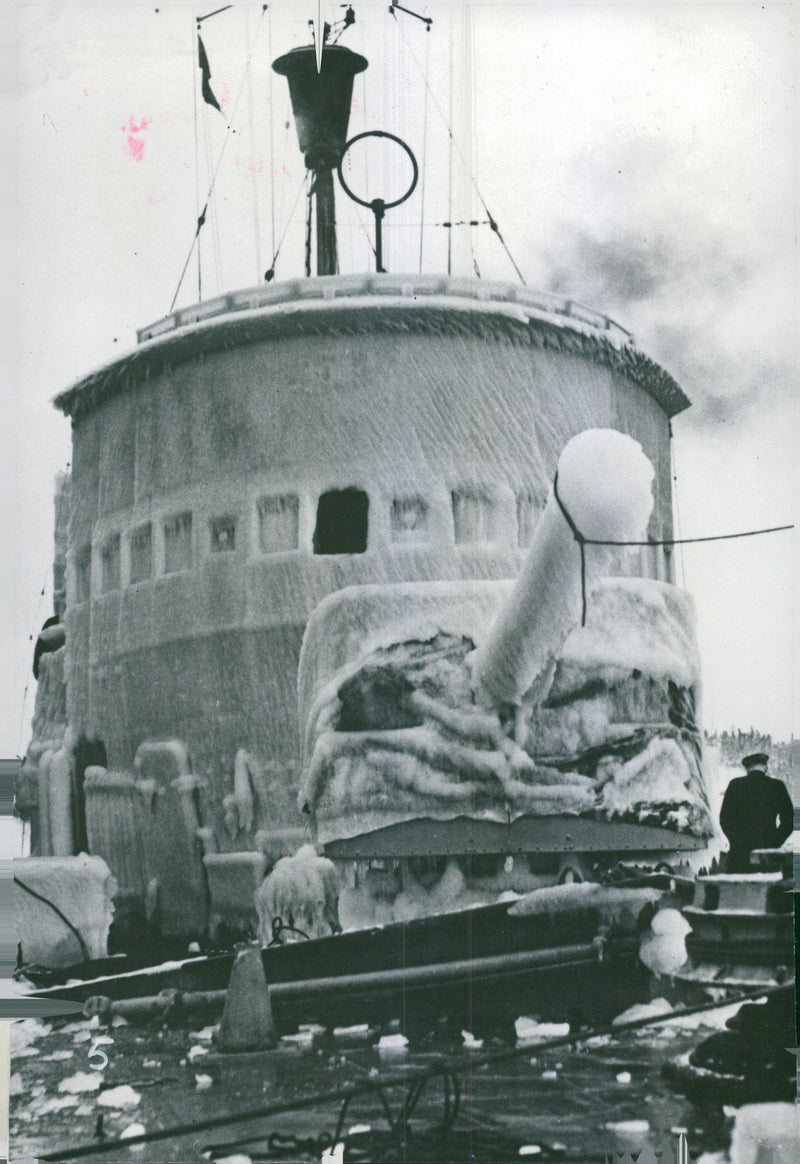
[[409, 520], [83, 574], [141, 553], [278, 523], [223, 535], [474, 516], [178, 543], [109, 564], [341, 522]]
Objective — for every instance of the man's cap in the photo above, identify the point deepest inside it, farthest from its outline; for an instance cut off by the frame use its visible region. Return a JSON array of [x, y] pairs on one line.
[[757, 760]]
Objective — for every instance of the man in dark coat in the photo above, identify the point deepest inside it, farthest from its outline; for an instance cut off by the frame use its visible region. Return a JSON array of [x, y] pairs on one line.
[[757, 813]]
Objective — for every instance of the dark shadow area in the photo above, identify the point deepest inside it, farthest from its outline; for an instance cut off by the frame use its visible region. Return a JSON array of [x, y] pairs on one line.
[[341, 522]]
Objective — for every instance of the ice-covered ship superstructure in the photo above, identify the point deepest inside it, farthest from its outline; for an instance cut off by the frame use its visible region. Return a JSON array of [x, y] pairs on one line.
[[349, 459]]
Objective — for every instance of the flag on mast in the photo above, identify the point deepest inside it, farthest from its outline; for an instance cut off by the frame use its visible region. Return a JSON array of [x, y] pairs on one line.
[[205, 70]]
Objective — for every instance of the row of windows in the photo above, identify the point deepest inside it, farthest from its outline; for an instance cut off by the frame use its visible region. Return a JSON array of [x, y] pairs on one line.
[[342, 527]]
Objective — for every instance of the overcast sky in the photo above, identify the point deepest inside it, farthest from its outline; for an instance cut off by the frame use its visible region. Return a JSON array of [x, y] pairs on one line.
[[638, 157]]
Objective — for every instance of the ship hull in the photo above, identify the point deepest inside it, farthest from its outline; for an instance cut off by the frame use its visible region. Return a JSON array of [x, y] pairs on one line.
[[481, 967]]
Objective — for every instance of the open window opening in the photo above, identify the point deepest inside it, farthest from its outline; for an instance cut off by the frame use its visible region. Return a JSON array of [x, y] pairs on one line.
[[341, 522]]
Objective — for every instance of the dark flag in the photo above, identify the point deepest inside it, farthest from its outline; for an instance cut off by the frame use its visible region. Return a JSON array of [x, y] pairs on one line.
[[205, 69]]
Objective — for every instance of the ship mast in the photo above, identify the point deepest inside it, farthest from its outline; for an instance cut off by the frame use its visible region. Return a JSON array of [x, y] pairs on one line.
[[321, 106]]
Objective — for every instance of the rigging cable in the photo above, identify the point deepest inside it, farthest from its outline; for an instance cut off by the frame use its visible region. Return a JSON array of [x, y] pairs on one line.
[[271, 142], [253, 166], [492, 220], [271, 272], [424, 148], [450, 148], [202, 216], [196, 165], [310, 203], [213, 218]]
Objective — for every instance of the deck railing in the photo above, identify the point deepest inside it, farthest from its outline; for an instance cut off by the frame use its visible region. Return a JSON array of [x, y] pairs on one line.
[[339, 287]]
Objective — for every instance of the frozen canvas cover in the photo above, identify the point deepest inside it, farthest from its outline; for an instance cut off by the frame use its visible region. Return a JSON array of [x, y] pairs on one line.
[[405, 770]]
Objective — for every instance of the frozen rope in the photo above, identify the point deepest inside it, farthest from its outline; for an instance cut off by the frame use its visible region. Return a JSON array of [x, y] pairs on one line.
[[748, 533], [580, 539], [440, 1067]]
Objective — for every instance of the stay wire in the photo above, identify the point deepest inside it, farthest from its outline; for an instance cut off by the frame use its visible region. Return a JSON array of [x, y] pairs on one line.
[[300, 189], [271, 138], [424, 148], [454, 144], [196, 163], [202, 217], [451, 145], [253, 166]]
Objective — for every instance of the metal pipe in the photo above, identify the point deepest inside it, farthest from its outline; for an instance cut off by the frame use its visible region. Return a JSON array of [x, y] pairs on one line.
[[327, 259], [416, 976]]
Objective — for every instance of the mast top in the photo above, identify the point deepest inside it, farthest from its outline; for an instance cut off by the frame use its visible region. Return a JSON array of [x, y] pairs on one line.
[[321, 100]]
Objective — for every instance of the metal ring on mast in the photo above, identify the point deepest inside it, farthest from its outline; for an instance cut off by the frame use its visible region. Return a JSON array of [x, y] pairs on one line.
[[377, 205], [392, 137]]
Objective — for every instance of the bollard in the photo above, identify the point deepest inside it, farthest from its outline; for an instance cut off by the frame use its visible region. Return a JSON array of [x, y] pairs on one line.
[[247, 1023]]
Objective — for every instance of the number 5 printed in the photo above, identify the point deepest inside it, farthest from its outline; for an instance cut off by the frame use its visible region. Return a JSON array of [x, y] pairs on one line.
[[96, 1050]]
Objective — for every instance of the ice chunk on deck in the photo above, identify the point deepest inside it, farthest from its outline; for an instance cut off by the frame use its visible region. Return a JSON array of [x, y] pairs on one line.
[[121, 1097], [80, 1082]]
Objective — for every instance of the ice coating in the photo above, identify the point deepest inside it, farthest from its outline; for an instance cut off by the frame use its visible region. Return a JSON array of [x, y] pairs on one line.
[[394, 730], [604, 484], [83, 889], [301, 891]]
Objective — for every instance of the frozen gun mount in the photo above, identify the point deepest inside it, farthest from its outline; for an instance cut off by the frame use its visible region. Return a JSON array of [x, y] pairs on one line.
[[479, 720]]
